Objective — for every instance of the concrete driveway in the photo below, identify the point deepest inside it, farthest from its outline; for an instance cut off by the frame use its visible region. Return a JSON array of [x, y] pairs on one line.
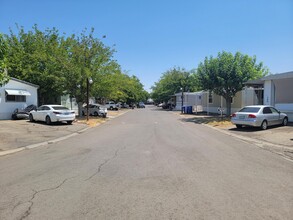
[[21, 133], [278, 139], [17, 135]]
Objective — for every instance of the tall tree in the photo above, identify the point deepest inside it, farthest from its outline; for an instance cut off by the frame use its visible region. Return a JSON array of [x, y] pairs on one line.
[[226, 74], [35, 56], [173, 81]]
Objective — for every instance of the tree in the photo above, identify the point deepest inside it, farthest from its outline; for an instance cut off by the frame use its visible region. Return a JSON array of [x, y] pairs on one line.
[[87, 58], [3, 61], [62, 65], [173, 81], [226, 74], [36, 57]]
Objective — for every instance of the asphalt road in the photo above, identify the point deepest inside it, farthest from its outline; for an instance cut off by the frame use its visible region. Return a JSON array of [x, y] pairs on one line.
[[147, 164]]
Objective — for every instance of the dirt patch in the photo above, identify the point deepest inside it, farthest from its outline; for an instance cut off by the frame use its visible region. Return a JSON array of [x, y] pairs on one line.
[[212, 120], [92, 122]]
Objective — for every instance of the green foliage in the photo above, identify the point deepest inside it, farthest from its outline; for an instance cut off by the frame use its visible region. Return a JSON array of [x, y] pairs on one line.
[[226, 74], [62, 65], [172, 81], [36, 57], [3, 61]]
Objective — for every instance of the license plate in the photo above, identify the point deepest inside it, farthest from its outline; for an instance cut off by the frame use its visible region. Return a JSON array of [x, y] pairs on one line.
[[241, 117]]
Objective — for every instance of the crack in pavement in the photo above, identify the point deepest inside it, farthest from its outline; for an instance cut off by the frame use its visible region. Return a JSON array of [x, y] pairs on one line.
[[28, 211], [104, 163]]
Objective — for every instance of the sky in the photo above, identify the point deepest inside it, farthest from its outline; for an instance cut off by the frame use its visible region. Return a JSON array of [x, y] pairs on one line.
[[153, 36]]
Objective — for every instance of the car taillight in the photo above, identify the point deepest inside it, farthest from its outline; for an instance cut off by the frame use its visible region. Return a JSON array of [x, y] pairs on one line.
[[251, 116], [233, 115]]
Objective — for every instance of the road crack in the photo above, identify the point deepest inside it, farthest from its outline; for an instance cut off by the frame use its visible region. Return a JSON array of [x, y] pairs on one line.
[[28, 211], [104, 163]]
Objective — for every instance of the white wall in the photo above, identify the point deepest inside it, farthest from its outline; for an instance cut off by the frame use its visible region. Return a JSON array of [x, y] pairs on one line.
[[189, 99], [7, 108], [269, 91]]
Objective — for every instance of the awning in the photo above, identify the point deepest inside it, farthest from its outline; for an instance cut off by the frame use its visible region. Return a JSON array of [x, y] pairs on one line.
[[17, 92]]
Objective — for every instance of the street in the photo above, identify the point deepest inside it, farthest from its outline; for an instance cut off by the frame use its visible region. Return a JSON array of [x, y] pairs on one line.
[[147, 164]]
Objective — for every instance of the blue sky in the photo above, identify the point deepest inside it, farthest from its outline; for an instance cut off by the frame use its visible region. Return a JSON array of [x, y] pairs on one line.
[[152, 36]]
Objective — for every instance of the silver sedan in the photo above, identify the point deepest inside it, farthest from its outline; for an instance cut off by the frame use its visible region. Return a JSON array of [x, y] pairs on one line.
[[259, 116]]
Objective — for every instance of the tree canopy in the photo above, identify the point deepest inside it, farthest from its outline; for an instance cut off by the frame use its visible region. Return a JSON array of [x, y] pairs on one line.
[[62, 64], [226, 74], [3, 61], [173, 81]]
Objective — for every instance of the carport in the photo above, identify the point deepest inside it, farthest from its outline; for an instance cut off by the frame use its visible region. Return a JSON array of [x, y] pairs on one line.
[[278, 90]]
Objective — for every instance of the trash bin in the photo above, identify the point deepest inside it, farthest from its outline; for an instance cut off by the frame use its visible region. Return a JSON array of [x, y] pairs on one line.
[[184, 109], [189, 110]]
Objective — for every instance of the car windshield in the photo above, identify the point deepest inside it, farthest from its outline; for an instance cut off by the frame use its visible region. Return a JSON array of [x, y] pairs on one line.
[[59, 108], [250, 109]]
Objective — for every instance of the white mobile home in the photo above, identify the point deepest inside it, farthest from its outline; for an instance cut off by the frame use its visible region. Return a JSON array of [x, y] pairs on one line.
[[205, 101], [16, 94], [278, 92], [194, 99]]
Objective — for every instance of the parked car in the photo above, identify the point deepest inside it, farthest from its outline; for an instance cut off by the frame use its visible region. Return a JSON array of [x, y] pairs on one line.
[[23, 113], [111, 105], [140, 105], [52, 113], [259, 116], [124, 105], [95, 110]]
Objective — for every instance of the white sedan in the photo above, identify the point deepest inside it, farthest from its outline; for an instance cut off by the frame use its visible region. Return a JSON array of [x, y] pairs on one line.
[[52, 113]]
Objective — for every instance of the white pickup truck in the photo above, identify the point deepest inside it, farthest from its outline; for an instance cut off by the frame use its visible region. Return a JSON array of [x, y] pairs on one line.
[[111, 105]]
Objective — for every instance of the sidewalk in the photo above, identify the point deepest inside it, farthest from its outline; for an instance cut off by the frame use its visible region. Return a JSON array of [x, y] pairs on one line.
[[17, 135]]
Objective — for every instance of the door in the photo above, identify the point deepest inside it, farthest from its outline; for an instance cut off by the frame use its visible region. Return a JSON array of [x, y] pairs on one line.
[[276, 117]]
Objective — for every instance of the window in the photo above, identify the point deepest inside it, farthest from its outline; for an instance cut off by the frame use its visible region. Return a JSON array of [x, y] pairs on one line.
[[210, 97], [267, 110], [15, 98], [250, 109], [275, 111]]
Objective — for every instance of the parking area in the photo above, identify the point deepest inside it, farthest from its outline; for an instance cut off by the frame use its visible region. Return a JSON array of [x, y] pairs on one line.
[[21, 133], [278, 139], [17, 134]]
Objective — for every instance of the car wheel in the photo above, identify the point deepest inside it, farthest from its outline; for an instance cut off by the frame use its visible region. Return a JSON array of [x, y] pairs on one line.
[[238, 126], [264, 125], [285, 121], [104, 115], [31, 118], [48, 120], [96, 114], [69, 122], [111, 107], [82, 113]]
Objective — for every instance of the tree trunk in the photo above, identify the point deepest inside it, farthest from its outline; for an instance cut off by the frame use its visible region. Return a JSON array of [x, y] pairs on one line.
[[228, 106], [79, 104]]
